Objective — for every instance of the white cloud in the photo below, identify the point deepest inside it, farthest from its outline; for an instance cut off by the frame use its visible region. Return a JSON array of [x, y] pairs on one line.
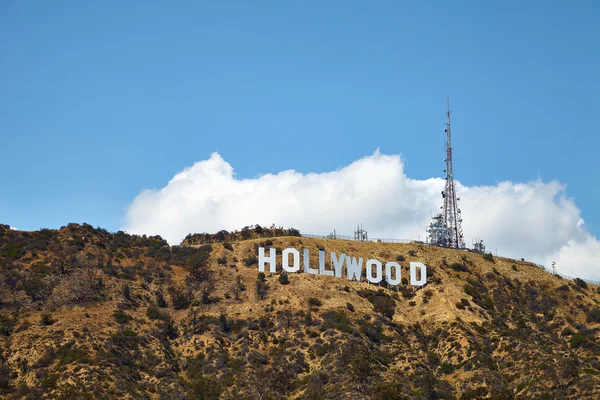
[[534, 220], [578, 258]]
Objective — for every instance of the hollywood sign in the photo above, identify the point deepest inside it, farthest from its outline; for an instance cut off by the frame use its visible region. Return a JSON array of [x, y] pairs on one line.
[[374, 269]]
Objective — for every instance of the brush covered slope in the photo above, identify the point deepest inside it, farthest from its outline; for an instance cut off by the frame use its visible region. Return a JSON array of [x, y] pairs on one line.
[[89, 314]]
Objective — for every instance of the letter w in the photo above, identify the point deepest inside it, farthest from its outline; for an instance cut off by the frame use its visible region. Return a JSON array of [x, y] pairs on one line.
[[354, 268]]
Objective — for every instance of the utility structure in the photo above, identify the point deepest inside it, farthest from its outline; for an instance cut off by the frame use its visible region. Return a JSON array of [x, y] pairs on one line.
[[478, 246], [445, 228], [360, 234]]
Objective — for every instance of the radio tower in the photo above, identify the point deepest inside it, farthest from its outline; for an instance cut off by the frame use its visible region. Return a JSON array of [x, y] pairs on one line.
[[445, 229]]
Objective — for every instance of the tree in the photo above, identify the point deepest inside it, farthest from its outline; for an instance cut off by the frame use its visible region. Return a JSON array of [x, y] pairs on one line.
[[91, 274], [286, 316], [198, 265], [203, 387], [62, 257], [82, 285], [160, 299], [10, 278], [224, 322], [181, 296], [266, 383], [206, 288], [36, 288], [238, 287], [126, 290], [360, 362], [568, 369], [261, 285], [315, 387]]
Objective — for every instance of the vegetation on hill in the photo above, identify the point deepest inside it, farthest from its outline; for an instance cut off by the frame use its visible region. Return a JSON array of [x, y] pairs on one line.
[[85, 313], [248, 232]]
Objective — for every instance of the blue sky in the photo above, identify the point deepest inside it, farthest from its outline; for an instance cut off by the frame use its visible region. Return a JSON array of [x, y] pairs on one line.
[[99, 100]]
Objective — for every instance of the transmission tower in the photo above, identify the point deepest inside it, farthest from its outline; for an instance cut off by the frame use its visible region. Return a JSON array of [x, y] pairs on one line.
[[445, 229]]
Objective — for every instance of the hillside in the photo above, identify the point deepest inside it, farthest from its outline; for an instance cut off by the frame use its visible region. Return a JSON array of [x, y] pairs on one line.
[[85, 313]]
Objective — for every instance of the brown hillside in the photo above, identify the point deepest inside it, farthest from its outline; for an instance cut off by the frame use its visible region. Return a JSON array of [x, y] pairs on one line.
[[89, 314]]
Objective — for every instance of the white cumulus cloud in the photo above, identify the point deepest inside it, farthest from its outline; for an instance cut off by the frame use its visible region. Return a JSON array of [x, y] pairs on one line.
[[534, 220]]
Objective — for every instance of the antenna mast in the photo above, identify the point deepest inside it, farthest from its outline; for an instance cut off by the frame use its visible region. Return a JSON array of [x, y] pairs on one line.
[[445, 229]]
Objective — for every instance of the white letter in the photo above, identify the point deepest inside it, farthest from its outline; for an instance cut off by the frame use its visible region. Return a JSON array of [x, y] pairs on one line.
[[370, 277], [285, 260], [307, 268], [338, 263], [388, 273], [353, 268], [270, 260], [413, 273], [322, 270]]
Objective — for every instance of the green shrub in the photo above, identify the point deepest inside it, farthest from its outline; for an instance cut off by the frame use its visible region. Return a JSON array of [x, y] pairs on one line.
[[7, 324], [68, 354], [283, 278], [514, 267], [384, 305], [228, 246], [407, 292], [459, 267], [350, 307], [593, 315], [488, 257], [180, 297], [250, 260], [41, 269], [581, 283], [49, 382], [578, 340], [412, 253], [314, 302], [121, 316], [400, 258], [367, 294], [160, 300], [462, 304], [12, 250], [446, 368], [46, 319], [154, 313], [222, 260], [204, 387]]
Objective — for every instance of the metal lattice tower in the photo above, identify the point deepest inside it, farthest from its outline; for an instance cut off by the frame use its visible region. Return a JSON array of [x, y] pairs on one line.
[[478, 246], [360, 234], [445, 229]]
